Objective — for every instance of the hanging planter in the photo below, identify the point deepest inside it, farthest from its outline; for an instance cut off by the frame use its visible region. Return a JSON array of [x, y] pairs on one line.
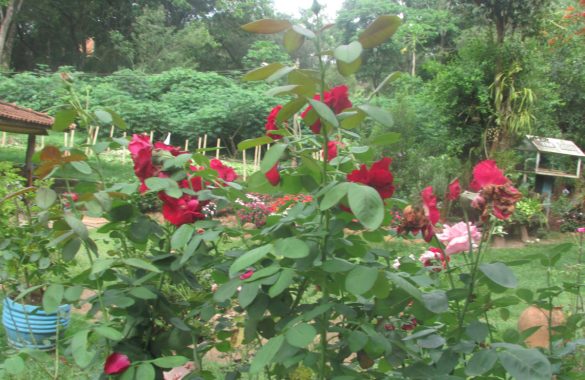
[[28, 326]]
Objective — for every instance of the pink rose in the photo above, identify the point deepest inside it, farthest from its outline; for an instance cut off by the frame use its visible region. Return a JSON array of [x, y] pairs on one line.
[[581, 229], [456, 238]]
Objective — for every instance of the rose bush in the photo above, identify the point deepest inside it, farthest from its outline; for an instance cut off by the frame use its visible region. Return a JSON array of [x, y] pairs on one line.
[[312, 291]]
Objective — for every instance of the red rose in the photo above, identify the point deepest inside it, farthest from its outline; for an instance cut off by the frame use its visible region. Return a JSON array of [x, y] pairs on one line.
[[247, 275], [224, 172], [141, 152], [273, 175], [454, 190], [337, 99], [271, 123], [332, 149], [430, 205], [378, 176], [174, 150], [116, 363], [496, 193], [487, 173], [184, 210]]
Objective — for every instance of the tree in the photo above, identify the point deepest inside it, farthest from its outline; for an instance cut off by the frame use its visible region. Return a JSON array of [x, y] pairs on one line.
[[155, 46], [8, 11]]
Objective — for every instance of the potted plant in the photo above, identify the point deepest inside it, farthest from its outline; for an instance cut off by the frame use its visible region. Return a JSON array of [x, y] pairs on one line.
[[32, 315]]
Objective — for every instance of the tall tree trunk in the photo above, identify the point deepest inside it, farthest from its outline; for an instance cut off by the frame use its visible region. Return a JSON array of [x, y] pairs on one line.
[[7, 14]]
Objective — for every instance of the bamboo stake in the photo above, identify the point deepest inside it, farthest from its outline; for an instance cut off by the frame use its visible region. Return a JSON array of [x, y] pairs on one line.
[[151, 135], [205, 141], [65, 140], [111, 131], [218, 148], [72, 138], [88, 142], [186, 145], [124, 150], [199, 143], [95, 136], [3, 138], [244, 164], [42, 142]]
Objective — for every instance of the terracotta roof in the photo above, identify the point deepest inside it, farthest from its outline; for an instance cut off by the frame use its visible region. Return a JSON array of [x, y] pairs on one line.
[[26, 115]]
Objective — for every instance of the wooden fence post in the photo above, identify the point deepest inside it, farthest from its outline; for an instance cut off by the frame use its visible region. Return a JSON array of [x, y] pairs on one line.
[[244, 163], [205, 143], [151, 135], [199, 143], [72, 138], [3, 138], [218, 148], [186, 145], [124, 150]]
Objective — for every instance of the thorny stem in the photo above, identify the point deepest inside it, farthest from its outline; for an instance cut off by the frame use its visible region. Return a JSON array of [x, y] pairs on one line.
[[324, 215]]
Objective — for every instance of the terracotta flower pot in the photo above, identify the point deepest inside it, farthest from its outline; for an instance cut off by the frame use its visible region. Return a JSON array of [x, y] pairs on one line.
[[535, 316]]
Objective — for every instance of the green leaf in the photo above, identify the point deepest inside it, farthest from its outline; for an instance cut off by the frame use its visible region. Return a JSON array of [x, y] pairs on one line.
[[117, 119], [280, 73], [289, 109], [353, 120], [293, 40], [282, 90], [170, 361], [142, 293], [403, 284], [104, 117], [347, 69], [251, 143], [145, 371], [141, 264], [284, 280], [481, 362], [334, 195], [360, 279], [101, 265], [436, 301], [266, 353], [357, 340], [156, 184], [248, 294], [81, 166], [14, 365], [52, 298], [367, 205], [348, 53], [249, 258], [73, 293], [324, 112], [109, 333], [499, 274], [336, 265], [387, 138], [267, 26], [292, 248], [77, 226], [478, 331], [379, 31], [301, 335], [63, 119], [377, 114], [272, 157], [79, 350], [225, 291], [262, 72], [182, 236], [45, 197], [303, 31], [526, 364]]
